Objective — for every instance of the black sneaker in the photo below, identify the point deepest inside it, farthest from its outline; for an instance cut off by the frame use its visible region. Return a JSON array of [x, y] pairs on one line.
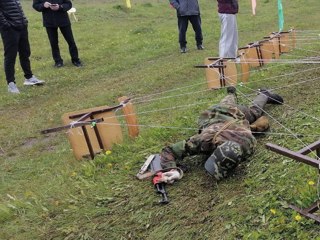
[[231, 90], [183, 50], [200, 47], [58, 64], [77, 63], [273, 98]]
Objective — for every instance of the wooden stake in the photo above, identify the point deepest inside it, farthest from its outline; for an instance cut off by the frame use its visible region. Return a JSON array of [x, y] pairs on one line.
[[245, 69], [223, 72], [130, 116]]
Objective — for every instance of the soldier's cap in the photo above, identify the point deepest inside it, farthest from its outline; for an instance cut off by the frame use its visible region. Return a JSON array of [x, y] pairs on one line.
[[223, 157]]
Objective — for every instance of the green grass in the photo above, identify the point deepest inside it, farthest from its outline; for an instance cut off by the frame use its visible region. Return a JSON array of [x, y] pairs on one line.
[[47, 194]]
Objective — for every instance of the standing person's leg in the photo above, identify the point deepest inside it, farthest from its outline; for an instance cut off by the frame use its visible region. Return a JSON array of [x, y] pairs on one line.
[[10, 39], [54, 43], [68, 36], [228, 44], [24, 53], [183, 26], [232, 20], [196, 25]]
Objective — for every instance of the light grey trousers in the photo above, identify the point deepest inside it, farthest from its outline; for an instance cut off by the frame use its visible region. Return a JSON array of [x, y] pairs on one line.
[[228, 45]]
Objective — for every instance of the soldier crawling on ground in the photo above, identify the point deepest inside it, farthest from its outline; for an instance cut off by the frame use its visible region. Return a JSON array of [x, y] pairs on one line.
[[225, 136]]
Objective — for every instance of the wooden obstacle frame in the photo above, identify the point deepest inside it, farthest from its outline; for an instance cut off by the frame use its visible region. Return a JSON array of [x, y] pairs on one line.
[[253, 54], [95, 130], [245, 67], [267, 51], [284, 41], [220, 72], [300, 156], [259, 53]]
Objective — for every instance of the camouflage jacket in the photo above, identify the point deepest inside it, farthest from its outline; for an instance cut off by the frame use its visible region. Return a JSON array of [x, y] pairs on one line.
[[218, 124], [222, 123]]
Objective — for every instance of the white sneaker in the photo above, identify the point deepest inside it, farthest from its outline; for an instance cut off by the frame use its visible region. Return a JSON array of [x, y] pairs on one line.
[[33, 81], [12, 88]]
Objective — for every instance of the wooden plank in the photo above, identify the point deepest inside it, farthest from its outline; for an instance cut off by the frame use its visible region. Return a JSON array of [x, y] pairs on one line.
[[230, 72], [131, 118], [251, 55], [285, 42], [276, 45], [110, 132], [267, 51], [212, 75], [244, 66]]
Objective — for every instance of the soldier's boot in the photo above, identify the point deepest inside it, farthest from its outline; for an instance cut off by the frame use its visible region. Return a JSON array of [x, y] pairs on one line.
[[273, 98], [231, 90]]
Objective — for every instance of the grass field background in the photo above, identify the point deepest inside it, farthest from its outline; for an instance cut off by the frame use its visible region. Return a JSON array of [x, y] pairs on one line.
[[47, 194]]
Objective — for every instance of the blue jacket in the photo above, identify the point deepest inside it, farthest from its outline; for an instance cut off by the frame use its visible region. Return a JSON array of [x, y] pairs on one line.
[[186, 7]]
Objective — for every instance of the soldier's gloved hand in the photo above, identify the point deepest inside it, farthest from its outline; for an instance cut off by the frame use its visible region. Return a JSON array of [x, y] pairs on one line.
[[171, 176], [260, 125]]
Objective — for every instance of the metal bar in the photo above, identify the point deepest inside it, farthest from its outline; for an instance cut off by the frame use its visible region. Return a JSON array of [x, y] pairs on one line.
[[85, 116], [108, 109], [76, 124], [219, 58], [296, 156], [96, 131], [279, 44], [309, 215], [221, 78], [86, 136], [216, 61], [313, 208], [310, 148], [250, 45], [259, 54], [209, 66]]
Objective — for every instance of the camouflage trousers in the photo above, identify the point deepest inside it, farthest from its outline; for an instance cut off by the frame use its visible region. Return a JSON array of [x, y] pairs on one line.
[[255, 111]]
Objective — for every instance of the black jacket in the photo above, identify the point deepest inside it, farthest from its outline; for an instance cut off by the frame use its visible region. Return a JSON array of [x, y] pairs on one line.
[[186, 7], [51, 18], [11, 15]]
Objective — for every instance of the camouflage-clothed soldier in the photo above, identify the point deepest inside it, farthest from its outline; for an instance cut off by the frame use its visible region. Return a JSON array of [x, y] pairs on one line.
[[224, 135]]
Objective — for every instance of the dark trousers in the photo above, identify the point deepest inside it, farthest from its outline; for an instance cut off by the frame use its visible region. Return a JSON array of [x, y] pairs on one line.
[[54, 42], [183, 21], [14, 42]]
